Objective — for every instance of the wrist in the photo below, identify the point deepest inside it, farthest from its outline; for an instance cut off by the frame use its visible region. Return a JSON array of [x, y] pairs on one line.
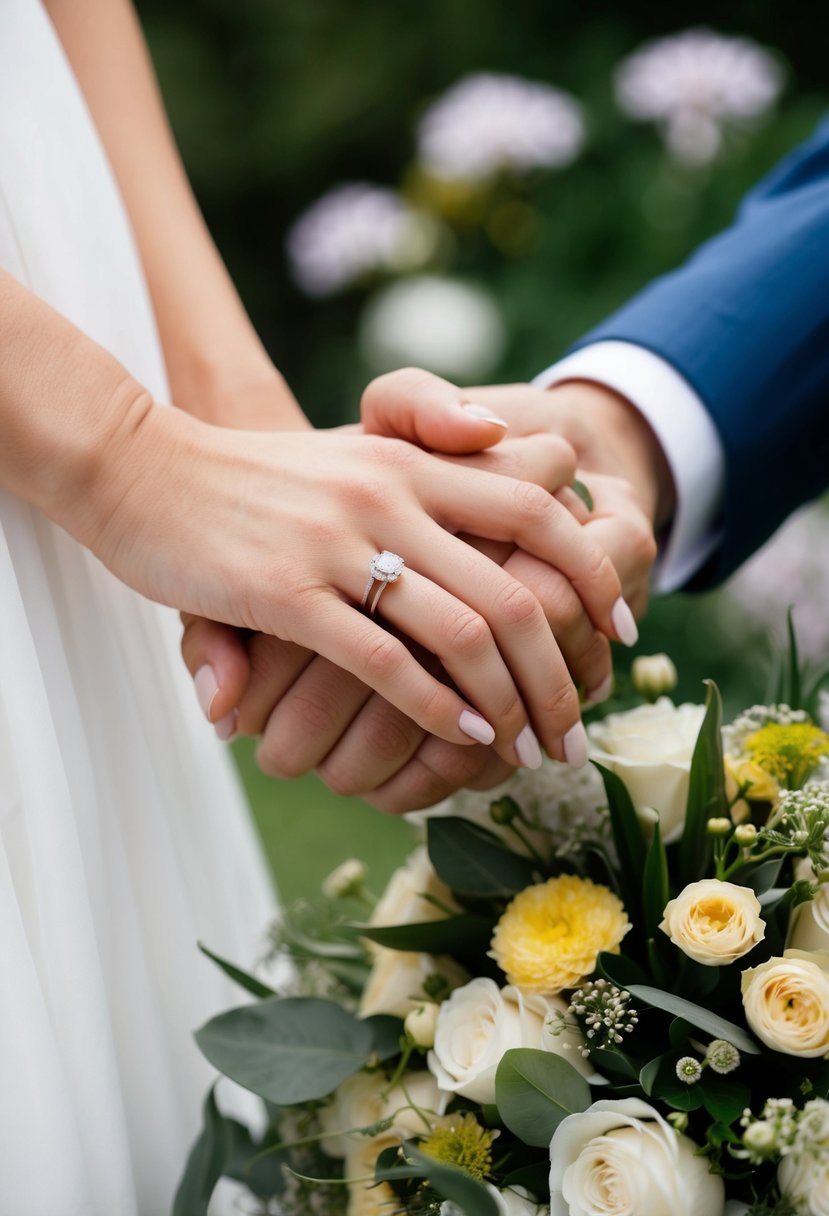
[[612, 436], [244, 393]]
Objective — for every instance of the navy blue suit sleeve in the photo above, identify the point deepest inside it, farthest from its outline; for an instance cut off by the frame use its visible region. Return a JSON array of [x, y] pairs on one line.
[[746, 322]]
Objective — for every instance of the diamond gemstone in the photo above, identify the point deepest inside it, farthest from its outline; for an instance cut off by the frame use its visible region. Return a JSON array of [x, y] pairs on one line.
[[386, 566]]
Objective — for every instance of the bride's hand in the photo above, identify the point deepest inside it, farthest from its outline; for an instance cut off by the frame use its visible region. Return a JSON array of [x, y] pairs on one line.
[[274, 532]]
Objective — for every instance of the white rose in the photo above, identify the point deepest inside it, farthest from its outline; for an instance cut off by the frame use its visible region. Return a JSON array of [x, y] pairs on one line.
[[479, 1022], [804, 1180], [345, 880], [360, 1102], [622, 1157], [402, 902], [515, 1201], [714, 922], [786, 1002], [395, 982], [650, 749], [809, 926]]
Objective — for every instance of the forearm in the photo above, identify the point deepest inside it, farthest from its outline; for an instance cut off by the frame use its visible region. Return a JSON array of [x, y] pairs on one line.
[[216, 364]]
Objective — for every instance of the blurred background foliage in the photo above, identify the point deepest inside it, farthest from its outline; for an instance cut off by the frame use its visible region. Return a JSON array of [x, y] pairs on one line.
[[275, 102]]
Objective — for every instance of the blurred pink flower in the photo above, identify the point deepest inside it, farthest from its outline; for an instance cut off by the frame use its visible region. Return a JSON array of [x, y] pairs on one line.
[[488, 122]]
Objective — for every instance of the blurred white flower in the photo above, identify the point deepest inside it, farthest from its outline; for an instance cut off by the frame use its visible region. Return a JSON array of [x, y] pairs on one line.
[[352, 231], [694, 83], [450, 328], [487, 122], [793, 568]]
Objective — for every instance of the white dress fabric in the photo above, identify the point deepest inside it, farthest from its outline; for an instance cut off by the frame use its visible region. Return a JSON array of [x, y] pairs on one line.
[[123, 834]]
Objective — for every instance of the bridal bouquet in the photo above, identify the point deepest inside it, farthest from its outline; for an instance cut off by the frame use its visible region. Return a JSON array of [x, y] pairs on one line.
[[602, 993]]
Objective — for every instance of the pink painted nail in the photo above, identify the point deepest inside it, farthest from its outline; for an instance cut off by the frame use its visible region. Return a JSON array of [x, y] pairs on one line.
[[476, 727], [207, 686], [575, 746], [226, 726], [527, 749], [624, 624], [484, 413], [601, 692]]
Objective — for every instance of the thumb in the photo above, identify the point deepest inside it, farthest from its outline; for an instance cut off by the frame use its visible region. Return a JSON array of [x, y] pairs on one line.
[[217, 658], [424, 409]]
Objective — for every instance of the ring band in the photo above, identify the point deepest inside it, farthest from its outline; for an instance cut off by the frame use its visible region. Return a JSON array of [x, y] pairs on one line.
[[386, 567]]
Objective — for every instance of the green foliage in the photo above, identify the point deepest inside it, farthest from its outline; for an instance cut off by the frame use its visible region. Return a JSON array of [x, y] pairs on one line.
[[628, 837], [535, 1090], [206, 1163], [472, 860], [287, 1050], [243, 978], [706, 790], [703, 1019], [457, 935]]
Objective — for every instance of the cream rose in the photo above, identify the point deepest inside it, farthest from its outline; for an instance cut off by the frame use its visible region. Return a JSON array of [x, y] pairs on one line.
[[403, 903], [479, 1022], [786, 1002], [650, 749], [365, 1198], [360, 1102], [714, 922], [804, 1180], [809, 926], [515, 1201], [622, 1157], [395, 982]]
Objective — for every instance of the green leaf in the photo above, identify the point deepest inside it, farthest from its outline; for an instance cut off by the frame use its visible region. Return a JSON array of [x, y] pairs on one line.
[[605, 1060], [648, 1074], [724, 1097], [535, 1090], [453, 1184], [658, 1079], [706, 791], [456, 935], [472, 860], [206, 1162], [698, 1016], [655, 888], [794, 692], [287, 1050], [620, 970], [249, 982], [578, 487], [628, 837], [763, 877], [386, 1032]]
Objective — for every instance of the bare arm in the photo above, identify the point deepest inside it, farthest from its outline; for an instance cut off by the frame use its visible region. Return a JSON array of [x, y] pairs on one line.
[[216, 363]]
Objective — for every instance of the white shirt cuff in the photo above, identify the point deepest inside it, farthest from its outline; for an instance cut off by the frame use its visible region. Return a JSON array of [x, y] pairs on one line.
[[688, 437]]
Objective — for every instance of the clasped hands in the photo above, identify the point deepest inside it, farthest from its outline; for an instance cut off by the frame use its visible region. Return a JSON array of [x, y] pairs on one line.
[[511, 592]]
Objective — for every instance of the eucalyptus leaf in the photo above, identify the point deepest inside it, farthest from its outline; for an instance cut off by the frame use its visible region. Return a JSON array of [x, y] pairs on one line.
[[655, 888], [243, 978], [206, 1162], [535, 1090], [472, 860], [386, 1032], [706, 790], [620, 970], [763, 877], [287, 1050], [700, 1017], [725, 1098]]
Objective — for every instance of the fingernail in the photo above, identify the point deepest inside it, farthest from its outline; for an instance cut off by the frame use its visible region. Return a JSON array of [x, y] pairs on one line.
[[476, 727], [527, 749], [226, 726], [484, 413], [601, 692], [624, 624], [575, 746], [207, 687]]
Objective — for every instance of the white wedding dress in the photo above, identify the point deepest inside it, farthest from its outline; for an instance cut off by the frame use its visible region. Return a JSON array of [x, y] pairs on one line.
[[123, 834]]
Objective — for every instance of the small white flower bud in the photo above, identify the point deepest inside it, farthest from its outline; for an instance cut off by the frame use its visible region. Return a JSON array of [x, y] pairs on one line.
[[719, 827], [760, 1139], [345, 880], [745, 834], [420, 1024], [653, 675]]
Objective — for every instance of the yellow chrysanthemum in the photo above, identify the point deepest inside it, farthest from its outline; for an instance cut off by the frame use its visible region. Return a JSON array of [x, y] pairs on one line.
[[788, 752], [460, 1140], [551, 934]]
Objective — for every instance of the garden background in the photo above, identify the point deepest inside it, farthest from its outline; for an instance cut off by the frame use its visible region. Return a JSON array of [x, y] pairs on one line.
[[275, 103]]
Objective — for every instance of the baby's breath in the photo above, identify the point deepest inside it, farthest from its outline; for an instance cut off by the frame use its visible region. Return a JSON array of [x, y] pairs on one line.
[[604, 1011]]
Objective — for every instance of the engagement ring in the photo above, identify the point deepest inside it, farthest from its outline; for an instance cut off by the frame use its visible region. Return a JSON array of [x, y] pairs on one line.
[[385, 568]]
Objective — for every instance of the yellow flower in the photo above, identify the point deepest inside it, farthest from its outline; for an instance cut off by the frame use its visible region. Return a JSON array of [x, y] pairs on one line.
[[787, 752], [551, 934], [460, 1140]]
